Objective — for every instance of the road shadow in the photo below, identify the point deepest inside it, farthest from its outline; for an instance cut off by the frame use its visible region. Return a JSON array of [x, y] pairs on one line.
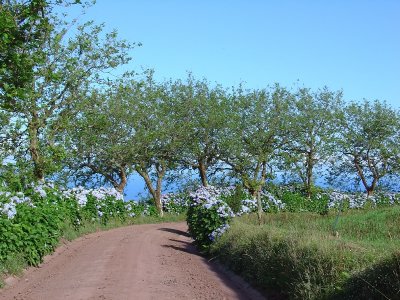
[[176, 231], [178, 241], [236, 283], [187, 248]]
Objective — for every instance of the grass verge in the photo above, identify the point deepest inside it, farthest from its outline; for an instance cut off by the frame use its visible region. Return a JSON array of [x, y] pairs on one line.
[[301, 256]]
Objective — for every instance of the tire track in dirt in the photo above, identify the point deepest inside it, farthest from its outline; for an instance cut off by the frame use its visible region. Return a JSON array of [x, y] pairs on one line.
[[152, 261]]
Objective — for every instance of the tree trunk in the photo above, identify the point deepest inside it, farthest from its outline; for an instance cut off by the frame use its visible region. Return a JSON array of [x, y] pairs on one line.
[[369, 188], [123, 180], [33, 128], [259, 189], [157, 199], [259, 207], [155, 192], [203, 172], [310, 166]]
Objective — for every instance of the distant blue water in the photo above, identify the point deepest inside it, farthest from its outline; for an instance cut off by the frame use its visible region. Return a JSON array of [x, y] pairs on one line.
[[136, 188]]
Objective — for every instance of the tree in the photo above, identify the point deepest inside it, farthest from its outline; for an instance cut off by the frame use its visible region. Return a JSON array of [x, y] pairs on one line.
[[368, 143], [201, 112], [257, 131], [128, 127], [100, 140], [63, 70], [24, 27], [312, 129], [156, 138]]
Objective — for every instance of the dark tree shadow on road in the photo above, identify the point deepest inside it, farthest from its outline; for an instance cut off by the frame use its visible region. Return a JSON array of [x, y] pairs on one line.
[[188, 248], [176, 231], [230, 279]]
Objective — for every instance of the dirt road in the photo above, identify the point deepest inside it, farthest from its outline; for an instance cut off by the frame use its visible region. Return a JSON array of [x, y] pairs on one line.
[[156, 261]]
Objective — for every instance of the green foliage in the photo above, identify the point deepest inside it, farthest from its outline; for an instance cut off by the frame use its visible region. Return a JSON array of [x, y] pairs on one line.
[[10, 178], [34, 231], [202, 222], [257, 123], [295, 198], [312, 128], [379, 281], [207, 218], [296, 202], [149, 210], [234, 200], [175, 203], [201, 112], [367, 146], [23, 26], [104, 210], [45, 73]]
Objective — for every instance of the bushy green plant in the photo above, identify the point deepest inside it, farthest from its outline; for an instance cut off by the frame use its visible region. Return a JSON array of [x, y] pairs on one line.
[[104, 210], [294, 202], [149, 210], [235, 198], [34, 231], [208, 216], [33, 222], [175, 203], [41, 230]]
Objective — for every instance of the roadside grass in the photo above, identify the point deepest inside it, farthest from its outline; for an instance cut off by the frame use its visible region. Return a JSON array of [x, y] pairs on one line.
[[15, 264], [303, 256]]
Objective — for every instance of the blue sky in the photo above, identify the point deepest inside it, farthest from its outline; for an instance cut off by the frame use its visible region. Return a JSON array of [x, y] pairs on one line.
[[349, 45]]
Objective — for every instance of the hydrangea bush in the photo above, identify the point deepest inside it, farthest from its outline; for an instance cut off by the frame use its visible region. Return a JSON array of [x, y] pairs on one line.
[[97, 204], [175, 203], [31, 223], [361, 200], [208, 215]]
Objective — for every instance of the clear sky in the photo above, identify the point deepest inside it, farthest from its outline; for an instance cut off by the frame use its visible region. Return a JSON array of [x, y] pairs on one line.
[[348, 45]]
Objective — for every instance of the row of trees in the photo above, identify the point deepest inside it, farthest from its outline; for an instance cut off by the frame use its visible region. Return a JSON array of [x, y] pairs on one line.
[[63, 117], [157, 128]]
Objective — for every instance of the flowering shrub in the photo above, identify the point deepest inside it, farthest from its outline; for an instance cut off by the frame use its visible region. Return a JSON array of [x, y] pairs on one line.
[[322, 201], [147, 209], [242, 202], [208, 215], [271, 203], [361, 200], [32, 222], [174, 203], [98, 204]]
